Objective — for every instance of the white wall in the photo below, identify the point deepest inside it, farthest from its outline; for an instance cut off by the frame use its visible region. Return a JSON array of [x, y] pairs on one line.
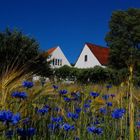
[[58, 54], [91, 59], [36, 78]]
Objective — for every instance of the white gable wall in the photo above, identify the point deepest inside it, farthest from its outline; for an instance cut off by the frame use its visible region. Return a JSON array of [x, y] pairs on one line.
[[58, 54], [91, 59]]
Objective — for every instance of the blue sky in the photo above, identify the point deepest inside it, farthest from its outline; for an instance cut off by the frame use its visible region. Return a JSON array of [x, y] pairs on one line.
[[67, 23]]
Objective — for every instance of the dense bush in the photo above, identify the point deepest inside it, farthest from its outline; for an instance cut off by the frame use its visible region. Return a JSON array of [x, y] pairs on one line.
[[92, 75], [96, 74], [66, 72]]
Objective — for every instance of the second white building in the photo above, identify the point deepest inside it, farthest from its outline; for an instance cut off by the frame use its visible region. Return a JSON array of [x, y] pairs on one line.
[[92, 55]]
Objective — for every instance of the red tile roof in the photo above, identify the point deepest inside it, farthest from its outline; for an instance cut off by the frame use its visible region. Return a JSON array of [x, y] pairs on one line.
[[50, 51], [101, 53]]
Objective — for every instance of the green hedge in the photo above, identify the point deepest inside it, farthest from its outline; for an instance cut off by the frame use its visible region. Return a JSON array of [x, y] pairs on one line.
[[92, 75]]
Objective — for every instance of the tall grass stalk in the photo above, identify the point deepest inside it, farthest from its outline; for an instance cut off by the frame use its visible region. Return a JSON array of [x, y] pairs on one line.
[[131, 105]]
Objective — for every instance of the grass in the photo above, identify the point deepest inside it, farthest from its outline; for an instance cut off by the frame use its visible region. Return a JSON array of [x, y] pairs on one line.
[[69, 128]]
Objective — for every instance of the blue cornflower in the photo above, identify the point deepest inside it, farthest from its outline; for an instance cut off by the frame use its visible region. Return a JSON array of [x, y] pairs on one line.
[[69, 114], [89, 101], [16, 118], [96, 122], [53, 126], [8, 116], [94, 94], [99, 131], [138, 124], [108, 86], [21, 95], [112, 95], [103, 110], [27, 84], [26, 120], [57, 119], [9, 133], [91, 129], [118, 113], [95, 130], [78, 110], [72, 115], [26, 132], [105, 97], [43, 110], [55, 86], [109, 104], [46, 106], [87, 105], [67, 99], [21, 132], [62, 92], [75, 116], [31, 131], [56, 109], [76, 138], [68, 127]]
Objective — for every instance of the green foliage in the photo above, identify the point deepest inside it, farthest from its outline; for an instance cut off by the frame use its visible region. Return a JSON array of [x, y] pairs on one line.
[[15, 45], [66, 72], [92, 75], [137, 76], [116, 77], [20, 51], [62, 72], [44, 106], [96, 74], [124, 38], [55, 106]]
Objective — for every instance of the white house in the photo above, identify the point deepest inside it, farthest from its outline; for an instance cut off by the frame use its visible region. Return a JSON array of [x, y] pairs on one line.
[[92, 55], [57, 57]]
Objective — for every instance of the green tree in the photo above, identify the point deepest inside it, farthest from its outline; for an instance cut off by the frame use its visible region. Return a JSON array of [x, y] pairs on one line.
[[124, 38], [20, 51], [63, 72]]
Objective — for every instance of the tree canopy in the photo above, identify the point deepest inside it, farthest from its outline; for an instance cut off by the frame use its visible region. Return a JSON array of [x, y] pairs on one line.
[[123, 38], [18, 50]]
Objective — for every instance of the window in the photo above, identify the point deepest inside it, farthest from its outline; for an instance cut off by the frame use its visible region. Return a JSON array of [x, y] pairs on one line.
[[86, 58], [55, 61], [60, 62]]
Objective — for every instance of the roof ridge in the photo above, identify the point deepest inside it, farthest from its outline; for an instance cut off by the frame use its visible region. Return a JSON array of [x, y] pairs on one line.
[[96, 45]]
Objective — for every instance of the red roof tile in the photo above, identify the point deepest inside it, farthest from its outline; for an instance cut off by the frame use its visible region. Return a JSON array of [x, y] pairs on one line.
[[101, 53], [50, 51]]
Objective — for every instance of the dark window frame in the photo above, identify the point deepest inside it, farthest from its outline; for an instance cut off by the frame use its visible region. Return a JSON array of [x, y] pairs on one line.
[[60, 62], [86, 58], [55, 61]]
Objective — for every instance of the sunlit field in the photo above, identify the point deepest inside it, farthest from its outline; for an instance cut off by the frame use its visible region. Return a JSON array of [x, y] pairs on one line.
[[56, 111]]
